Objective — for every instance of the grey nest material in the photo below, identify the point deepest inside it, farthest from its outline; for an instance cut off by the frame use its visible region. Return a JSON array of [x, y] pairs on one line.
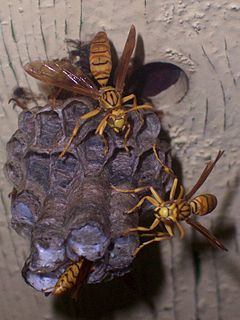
[[67, 207]]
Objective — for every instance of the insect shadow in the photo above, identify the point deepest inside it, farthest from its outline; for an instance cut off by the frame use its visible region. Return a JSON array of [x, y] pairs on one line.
[[228, 228], [142, 80], [224, 230], [223, 227], [142, 285], [150, 79], [102, 301]]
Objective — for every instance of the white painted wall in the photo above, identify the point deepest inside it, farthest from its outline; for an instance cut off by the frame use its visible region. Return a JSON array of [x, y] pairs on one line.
[[202, 37]]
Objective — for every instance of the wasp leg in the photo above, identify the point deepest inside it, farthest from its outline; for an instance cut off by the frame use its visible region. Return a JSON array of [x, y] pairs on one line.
[[138, 113], [165, 167], [100, 131], [156, 195], [135, 106], [155, 200], [158, 234], [130, 97], [140, 118], [126, 137], [151, 228], [102, 125], [181, 193], [153, 191], [131, 190], [173, 189], [53, 98], [143, 106], [169, 229], [106, 144], [19, 104], [77, 127], [179, 226], [139, 204], [171, 173], [156, 239], [181, 230]]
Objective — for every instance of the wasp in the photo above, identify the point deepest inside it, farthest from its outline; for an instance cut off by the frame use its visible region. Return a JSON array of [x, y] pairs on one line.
[[178, 208], [75, 275], [22, 97], [111, 102]]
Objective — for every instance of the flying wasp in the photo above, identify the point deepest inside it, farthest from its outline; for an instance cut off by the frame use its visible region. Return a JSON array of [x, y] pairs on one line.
[[179, 207], [75, 276], [64, 75]]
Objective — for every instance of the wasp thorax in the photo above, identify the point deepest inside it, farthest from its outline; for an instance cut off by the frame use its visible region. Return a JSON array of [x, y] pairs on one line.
[[109, 98], [164, 212]]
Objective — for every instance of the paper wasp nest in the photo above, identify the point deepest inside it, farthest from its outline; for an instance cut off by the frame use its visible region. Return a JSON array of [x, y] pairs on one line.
[[67, 207]]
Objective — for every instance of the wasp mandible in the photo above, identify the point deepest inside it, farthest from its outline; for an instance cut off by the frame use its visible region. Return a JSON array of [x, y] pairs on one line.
[[178, 208], [111, 102]]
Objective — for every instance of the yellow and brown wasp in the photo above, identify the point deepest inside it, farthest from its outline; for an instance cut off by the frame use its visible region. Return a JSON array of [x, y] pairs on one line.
[[75, 276], [179, 207], [111, 102]]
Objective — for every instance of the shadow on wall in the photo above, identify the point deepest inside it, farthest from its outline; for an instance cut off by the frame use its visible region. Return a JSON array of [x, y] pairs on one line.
[[144, 80], [103, 300], [223, 228], [146, 281]]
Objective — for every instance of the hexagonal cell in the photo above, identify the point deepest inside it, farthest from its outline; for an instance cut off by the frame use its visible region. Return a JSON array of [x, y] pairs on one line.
[[49, 129], [73, 109], [25, 212], [122, 166], [17, 146], [64, 171], [26, 124], [38, 169]]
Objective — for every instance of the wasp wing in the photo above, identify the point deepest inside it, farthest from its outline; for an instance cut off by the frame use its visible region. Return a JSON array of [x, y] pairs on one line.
[[207, 170], [122, 68], [204, 231], [62, 74], [86, 269]]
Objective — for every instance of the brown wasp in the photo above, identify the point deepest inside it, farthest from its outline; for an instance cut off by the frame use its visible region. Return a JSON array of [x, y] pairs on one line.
[[110, 99], [179, 207], [22, 97], [75, 275]]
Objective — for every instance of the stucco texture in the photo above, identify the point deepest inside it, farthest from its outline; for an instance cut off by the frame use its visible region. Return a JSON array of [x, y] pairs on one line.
[[177, 280]]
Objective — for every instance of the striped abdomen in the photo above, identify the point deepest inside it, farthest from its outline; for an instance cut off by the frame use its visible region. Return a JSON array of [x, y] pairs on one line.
[[203, 204], [68, 279], [100, 58]]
